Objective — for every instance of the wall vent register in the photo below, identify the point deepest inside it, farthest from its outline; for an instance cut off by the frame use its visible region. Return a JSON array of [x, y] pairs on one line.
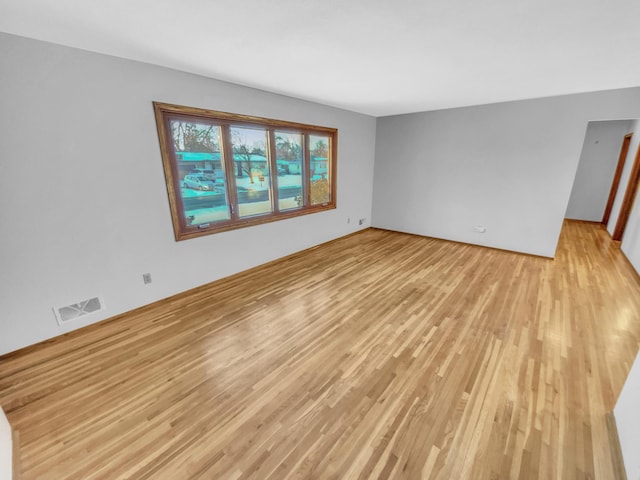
[[76, 310]]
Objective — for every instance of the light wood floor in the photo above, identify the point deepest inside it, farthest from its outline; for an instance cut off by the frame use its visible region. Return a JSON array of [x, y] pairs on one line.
[[380, 355]]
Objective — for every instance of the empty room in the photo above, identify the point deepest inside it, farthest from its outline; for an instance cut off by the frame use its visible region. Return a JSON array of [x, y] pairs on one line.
[[319, 240]]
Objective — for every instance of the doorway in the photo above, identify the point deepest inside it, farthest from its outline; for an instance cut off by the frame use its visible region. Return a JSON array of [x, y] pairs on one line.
[[616, 178], [629, 197]]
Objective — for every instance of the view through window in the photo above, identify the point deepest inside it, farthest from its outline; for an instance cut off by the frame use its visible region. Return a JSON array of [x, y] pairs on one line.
[[227, 171]]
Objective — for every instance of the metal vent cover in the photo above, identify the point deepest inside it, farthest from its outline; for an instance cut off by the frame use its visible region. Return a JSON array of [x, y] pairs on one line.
[[76, 310]]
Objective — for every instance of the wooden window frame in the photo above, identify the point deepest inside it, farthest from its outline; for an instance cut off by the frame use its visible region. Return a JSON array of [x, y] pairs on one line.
[[165, 112]]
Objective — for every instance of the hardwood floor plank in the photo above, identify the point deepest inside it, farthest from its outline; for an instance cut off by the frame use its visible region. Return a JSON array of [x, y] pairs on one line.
[[379, 355]]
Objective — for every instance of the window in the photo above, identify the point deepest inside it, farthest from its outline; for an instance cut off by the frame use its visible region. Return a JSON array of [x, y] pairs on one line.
[[227, 171]]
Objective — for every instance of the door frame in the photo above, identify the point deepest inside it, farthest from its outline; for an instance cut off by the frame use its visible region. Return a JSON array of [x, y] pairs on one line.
[[629, 197], [626, 141]]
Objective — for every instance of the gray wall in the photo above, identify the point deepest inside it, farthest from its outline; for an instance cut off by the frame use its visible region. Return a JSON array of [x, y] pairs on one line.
[[83, 202], [597, 166], [508, 167]]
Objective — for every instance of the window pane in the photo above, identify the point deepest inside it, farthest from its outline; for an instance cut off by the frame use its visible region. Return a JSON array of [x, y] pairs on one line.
[[319, 166], [251, 170], [289, 161], [200, 171]]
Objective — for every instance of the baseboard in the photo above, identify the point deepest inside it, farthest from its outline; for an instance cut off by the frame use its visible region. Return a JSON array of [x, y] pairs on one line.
[[578, 220], [616, 451], [459, 242]]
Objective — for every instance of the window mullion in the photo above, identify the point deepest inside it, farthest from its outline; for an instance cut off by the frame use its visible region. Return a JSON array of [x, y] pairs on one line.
[[229, 171], [273, 172], [306, 171]]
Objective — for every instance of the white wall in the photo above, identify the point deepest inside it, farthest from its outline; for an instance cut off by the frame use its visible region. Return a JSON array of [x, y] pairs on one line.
[[596, 169], [628, 421], [83, 202], [6, 448], [508, 167]]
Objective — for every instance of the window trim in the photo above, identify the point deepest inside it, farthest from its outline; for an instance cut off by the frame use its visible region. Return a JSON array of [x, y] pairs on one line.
[[165, 112]]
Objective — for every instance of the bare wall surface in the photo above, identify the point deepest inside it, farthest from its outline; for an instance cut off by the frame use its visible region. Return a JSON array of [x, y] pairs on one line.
[[507, 167], [596, 169], [6, 448], [84, 208], [628, 421]]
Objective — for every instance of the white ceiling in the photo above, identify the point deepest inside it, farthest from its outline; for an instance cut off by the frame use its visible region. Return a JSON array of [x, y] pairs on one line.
[[371, 56]]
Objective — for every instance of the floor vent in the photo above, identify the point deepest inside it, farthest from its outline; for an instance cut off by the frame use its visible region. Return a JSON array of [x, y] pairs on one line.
[[77, 310]]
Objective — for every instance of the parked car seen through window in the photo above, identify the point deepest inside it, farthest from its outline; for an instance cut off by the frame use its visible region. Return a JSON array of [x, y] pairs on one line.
[[198, 182]]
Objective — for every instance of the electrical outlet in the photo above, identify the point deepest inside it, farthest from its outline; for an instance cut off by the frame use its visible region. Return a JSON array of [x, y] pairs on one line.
[[348, 220], [361, 221], [479, 229], [146, 278]]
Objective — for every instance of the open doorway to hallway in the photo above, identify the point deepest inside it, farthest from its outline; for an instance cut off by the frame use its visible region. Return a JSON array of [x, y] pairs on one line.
[[606, 180], [629, 198], [624, 150]]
